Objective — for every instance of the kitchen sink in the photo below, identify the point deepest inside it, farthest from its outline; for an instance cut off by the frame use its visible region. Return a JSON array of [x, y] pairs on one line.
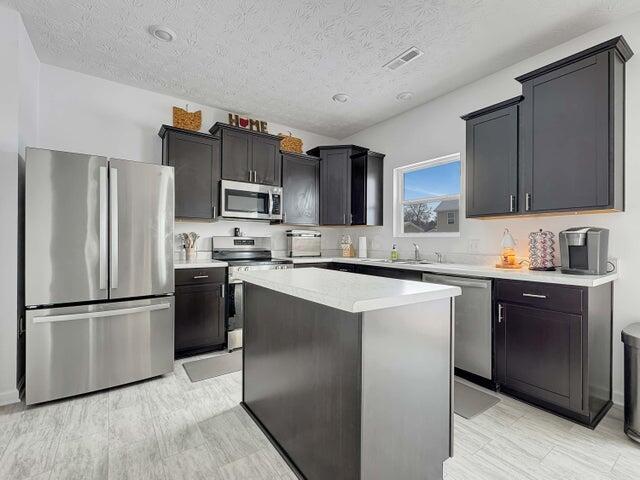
[[402, 261]]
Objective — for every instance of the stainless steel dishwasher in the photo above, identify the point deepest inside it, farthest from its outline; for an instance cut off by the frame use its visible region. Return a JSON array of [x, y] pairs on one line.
[[473, 347]]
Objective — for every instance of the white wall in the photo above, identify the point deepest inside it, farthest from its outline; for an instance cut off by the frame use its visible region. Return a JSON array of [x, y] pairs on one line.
[[18, 126], [435, 129], [81, 113]]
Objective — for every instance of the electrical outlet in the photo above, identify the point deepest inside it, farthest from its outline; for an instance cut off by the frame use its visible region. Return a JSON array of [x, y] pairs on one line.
[[474, 245]]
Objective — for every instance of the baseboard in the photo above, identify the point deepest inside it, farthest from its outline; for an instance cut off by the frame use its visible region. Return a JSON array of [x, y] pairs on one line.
[[9, 396], [618, 398]]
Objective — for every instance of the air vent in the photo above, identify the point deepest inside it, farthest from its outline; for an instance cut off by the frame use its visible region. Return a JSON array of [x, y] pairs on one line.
[[404, 58]]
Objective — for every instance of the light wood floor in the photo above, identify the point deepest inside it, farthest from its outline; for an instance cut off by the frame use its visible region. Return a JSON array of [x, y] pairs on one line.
[[169, 428]]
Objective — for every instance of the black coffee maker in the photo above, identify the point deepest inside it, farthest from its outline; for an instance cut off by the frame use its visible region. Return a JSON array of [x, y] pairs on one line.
[[584, 250]]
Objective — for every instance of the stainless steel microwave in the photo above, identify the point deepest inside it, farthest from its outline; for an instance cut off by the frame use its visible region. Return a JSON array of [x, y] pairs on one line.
[[250, 200]]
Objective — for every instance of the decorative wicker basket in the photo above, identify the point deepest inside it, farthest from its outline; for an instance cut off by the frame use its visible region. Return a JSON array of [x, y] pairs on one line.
[[187, 120], [289, 143]]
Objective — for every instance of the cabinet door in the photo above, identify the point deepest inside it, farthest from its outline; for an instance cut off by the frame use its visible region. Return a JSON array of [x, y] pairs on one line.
[[492, 163], [335, 183], [539, 354], [300, 183], [197, 173], [236, 156], [265, 160], [565, 137], [199, 321]]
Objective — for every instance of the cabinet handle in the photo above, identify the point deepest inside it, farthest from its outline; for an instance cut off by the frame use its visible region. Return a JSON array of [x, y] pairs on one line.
[[221, 290], [200, 276], [533, 295], [512, 203], [500, 309], [214, 211], [344, 218], [527, 201], [284, 217], [351, 219]]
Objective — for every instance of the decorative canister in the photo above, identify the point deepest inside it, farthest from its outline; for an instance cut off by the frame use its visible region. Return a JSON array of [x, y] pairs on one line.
[[541, 250]]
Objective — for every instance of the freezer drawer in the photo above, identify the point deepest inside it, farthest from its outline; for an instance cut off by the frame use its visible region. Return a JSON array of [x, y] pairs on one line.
[[473, 350], [74, 350]]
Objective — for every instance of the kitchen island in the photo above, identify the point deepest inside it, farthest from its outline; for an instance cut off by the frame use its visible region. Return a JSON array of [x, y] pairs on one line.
[[350, 376]]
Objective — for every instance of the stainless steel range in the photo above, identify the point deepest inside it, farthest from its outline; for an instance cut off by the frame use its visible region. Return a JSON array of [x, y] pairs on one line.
[[242, 254]]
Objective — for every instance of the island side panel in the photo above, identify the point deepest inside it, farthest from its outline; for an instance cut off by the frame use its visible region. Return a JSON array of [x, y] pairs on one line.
[[406, 391], [302, 380]]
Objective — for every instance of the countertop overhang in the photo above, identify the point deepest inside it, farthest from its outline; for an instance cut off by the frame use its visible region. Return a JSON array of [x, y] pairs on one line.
[[350, 292], [199, 264]]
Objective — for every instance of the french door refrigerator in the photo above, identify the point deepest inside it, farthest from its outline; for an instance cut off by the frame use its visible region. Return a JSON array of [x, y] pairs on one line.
[[99, 276]]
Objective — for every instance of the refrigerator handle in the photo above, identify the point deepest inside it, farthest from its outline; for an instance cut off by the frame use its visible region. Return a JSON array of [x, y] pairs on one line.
[[113, 201], [104, 229], [102, 314]]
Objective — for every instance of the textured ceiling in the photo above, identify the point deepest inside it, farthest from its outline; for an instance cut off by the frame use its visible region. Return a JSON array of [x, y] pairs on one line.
[[283, 60]]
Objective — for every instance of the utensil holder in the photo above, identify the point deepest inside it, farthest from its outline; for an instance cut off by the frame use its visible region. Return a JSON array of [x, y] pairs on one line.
[[190, 253]]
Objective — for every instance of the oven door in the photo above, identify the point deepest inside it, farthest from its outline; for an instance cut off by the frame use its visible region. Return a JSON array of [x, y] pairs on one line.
[[248, 200]]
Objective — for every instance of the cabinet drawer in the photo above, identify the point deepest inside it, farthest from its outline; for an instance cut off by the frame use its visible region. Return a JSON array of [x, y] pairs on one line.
[[189, 276], [541, 295]]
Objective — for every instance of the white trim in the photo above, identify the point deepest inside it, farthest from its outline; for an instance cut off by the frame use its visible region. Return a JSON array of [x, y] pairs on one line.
[[9, 397], [398, 188]]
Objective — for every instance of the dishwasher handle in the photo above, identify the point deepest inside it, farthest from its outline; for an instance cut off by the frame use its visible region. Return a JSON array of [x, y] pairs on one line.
[[456, 282]]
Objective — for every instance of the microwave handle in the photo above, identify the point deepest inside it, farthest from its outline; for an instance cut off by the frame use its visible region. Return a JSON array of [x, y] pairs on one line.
[[270, 203]]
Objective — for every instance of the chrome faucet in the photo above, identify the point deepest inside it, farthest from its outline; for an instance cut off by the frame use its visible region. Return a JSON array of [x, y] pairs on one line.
[[438, 257], [416, 252]]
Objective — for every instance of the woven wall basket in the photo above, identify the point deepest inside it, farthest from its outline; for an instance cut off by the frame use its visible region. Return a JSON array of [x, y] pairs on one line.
[[290, 143], [187, 120]]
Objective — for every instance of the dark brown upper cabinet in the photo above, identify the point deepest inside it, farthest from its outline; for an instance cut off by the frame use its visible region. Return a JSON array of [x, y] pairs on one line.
[[573, 131], [492, 159], [300, 189], [351, 181], [249, 156], [196, 159], [570, 140], [367, 173]]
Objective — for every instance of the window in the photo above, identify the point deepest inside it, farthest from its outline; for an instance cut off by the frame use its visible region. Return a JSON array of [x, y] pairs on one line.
[[427, 198]]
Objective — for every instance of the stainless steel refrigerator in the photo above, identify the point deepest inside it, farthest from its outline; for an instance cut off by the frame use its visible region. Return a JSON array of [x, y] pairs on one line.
[[99, 278]]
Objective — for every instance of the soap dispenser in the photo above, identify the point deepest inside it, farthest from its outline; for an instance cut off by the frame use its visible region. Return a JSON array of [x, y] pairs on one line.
[[394, 253]]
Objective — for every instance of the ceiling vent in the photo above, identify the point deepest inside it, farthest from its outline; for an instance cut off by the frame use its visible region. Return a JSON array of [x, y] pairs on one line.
[[404, 58]]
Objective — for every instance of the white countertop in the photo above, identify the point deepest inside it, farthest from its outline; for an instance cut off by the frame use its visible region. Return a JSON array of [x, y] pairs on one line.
[[199, 263], [483, 271], [348, 291]]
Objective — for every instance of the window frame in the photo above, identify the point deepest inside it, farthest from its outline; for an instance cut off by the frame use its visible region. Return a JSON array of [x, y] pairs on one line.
[[398, 191]]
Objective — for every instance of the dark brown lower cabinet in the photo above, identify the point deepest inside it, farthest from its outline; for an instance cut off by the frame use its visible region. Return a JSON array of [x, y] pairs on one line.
[[199, 311], [553, 347]]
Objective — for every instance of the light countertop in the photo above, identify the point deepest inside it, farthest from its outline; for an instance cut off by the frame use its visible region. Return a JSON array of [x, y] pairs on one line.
[[484, 271], [348, 291], [198, 263]]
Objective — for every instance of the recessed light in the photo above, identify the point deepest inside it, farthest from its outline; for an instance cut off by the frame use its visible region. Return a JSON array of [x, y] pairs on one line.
[[162, 33], [404, 96], [340, 98]]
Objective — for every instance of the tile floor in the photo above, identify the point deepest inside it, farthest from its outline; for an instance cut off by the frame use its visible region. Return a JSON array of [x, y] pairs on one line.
[[169, 428]]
